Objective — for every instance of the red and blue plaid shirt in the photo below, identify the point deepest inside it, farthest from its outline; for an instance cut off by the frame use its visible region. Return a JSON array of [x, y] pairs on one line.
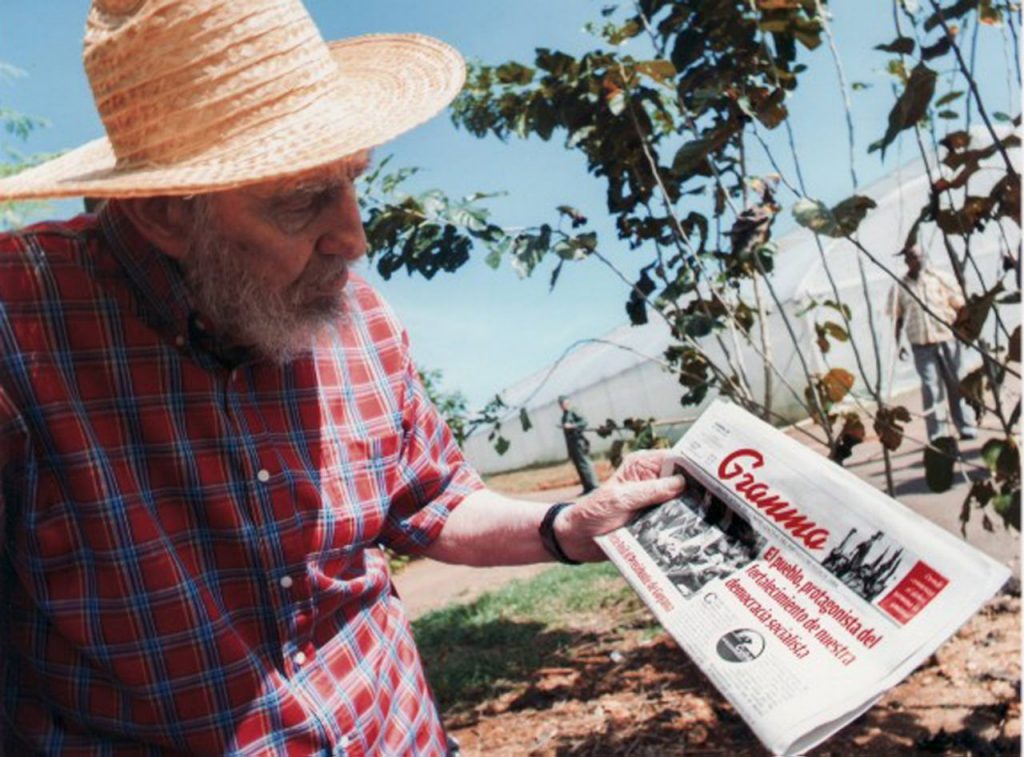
[[191, 557]]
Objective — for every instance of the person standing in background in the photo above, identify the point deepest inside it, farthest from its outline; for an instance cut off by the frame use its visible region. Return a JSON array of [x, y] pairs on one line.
[[573, 425], [936, 350]]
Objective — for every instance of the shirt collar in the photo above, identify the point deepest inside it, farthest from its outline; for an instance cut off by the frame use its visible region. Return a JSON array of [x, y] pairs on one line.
[[156, 277]]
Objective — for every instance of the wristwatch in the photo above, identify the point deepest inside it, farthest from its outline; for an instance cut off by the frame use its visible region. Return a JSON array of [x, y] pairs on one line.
[[547, 534]]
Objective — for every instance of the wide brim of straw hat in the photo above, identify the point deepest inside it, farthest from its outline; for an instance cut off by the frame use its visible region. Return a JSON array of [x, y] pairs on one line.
[[388, 84]]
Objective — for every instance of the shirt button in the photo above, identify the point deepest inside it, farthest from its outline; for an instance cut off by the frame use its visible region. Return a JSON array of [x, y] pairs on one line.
[[263, 475], [234, 375], [299, 659], [286, 582], [179, 340]]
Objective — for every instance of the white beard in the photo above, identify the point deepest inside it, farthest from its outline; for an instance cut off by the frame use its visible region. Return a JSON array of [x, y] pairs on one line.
[[243, 309]]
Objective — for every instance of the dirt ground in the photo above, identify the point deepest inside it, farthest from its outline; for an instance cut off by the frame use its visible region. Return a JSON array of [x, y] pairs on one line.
[[615, 693]]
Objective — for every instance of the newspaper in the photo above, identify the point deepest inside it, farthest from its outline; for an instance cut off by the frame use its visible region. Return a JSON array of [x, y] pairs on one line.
[[801, 591]]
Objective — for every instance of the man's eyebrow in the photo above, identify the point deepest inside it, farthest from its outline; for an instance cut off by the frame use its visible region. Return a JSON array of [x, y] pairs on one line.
[[325, 179]]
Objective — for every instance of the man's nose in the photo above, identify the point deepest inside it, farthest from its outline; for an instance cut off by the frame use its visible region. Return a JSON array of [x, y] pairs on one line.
[[342, 232]]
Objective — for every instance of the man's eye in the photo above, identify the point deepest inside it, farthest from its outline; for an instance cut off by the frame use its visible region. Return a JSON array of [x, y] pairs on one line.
[[301, 204]]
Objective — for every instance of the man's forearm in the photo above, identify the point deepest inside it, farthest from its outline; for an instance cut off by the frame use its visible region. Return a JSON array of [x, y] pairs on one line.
[[488, 529]]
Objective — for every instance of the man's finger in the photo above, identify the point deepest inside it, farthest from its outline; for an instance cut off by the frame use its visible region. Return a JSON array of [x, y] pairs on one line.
[[652, 491], [643, 464]]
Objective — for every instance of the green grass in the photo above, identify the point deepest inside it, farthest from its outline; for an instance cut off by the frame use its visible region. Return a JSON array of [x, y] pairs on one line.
[[477, 651]]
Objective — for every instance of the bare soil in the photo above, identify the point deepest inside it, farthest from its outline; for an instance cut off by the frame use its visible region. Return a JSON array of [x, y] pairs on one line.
[[616, 693]]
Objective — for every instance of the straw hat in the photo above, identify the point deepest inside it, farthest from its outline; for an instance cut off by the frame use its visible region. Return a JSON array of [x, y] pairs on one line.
[[205, 95]]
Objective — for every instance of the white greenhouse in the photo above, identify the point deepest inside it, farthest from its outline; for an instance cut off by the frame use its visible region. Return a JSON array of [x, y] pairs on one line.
[[621, 374]]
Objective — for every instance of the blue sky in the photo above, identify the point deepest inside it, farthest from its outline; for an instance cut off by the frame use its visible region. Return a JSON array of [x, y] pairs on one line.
[[486, 329]]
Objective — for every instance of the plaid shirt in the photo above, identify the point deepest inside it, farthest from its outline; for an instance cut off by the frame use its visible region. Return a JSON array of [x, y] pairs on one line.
[[190, 539], [936, 289]]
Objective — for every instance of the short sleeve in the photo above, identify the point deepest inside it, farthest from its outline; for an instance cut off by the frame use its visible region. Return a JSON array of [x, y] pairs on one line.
[[956, 299], [431, 478], [893, 307]]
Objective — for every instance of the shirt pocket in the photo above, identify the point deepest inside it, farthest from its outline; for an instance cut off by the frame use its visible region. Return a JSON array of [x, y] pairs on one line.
[[356, 479]]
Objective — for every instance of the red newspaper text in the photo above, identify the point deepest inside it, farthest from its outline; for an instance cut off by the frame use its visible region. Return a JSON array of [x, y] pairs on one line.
[[761, 496]]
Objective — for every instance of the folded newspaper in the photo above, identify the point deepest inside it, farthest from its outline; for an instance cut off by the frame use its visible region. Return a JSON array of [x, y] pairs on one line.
[[801, 591]]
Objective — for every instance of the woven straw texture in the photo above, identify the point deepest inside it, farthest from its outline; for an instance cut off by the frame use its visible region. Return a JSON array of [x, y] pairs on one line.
[[206, 95]]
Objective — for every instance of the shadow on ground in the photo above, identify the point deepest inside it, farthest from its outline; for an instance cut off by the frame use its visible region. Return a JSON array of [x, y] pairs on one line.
[[468, 661], [615, 693]]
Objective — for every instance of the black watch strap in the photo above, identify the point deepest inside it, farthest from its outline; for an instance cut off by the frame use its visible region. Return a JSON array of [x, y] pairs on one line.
[[547, 534]]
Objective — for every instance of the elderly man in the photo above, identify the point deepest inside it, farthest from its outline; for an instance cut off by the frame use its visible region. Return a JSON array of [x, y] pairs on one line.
[[936, 351], [211, 425]]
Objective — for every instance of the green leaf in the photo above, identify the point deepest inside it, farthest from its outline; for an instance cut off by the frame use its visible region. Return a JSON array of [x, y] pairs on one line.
[[618, 35], [1002, 457], [940, 48], [691, 156], [514, 73], [829, 329], [948, 98], [948, 115], [524, 419], [814, 215], [1007, 506], [501, 445], [900, 45], [807, 32], [573, 214], [910, 107], [576, 248], [839, 221], [1000, 116], [697, 325], [897, 69], [493, 258], [659, 70], [468, 217], [1013, 354], [949, 13], [839, 307], [939, 463], [851, 211]]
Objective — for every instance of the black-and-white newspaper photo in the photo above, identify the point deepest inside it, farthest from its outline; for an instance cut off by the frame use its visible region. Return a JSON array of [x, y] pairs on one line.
[[696, 539]]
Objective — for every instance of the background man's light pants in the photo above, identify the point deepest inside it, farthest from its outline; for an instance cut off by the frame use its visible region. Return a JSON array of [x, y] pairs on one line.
[[938, 365]]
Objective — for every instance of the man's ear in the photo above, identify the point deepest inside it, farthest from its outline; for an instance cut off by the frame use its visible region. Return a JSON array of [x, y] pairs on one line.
[[164, 221]]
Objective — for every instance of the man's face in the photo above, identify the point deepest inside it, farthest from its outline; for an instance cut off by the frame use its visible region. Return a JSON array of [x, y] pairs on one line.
[[913, 258], [267, 264]]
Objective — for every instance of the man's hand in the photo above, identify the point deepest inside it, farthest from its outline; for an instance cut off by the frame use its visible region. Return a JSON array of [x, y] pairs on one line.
[[634, 486]]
